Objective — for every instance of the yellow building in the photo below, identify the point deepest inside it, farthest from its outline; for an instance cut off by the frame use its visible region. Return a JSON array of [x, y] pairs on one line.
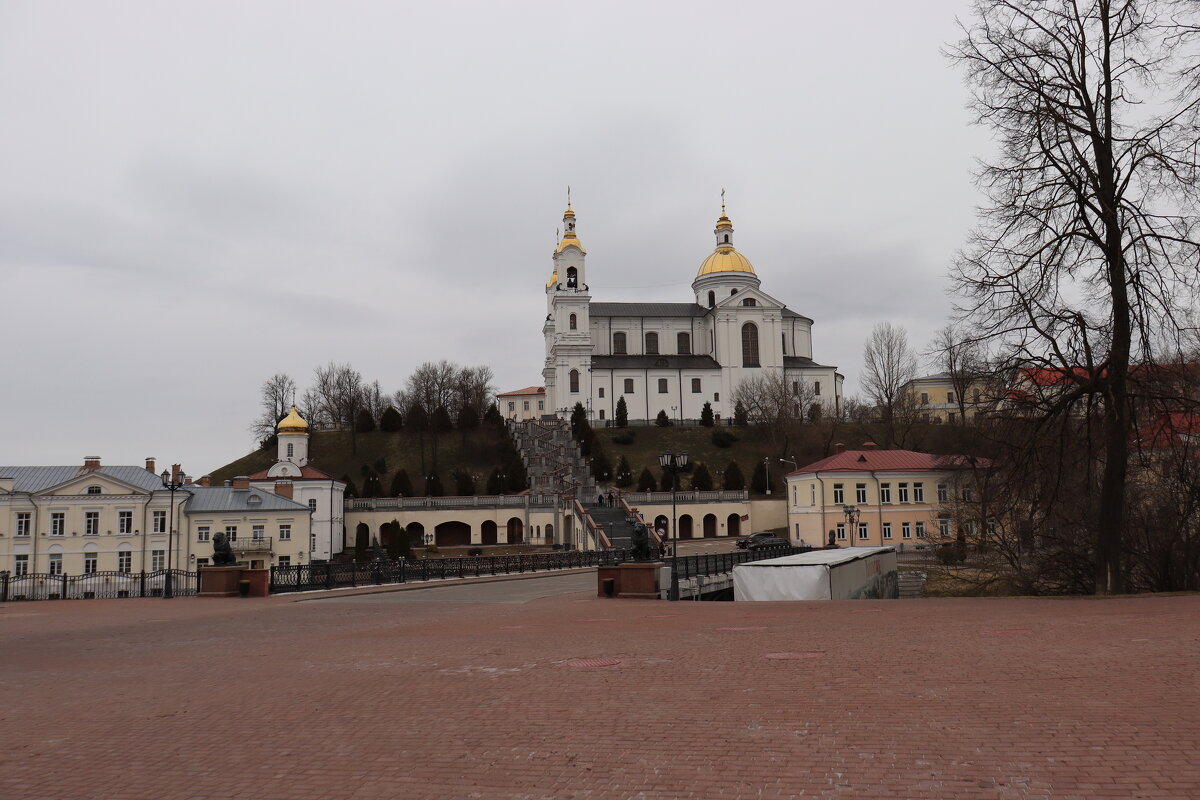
[[934, 398], [879, 497], [523, 404]]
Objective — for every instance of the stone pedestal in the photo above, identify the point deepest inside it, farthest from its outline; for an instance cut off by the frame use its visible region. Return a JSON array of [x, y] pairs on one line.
[[220, 581], [638, 580], [260, 581]]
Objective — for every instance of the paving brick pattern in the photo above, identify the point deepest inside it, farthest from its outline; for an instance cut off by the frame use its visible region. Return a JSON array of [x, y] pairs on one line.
[[263, 699]]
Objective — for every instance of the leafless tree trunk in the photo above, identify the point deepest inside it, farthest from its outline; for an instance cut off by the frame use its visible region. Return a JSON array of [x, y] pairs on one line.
[[888, 364], [961, 357], [1088, 239], [278, 394]]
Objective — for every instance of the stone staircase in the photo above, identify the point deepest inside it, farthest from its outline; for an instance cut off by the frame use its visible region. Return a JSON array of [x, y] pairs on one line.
[[552, 459], [615, 522], [911, 583]]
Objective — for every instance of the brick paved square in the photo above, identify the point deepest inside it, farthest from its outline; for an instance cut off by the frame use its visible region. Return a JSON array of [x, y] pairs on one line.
[[579, 697]]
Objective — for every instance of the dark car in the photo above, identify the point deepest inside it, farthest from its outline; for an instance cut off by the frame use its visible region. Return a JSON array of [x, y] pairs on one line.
[[767, 541], [746, 541]]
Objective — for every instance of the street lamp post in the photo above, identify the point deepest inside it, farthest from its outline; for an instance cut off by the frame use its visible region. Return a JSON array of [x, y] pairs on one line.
[[767, 473], [674, 463], [852, 514], [171, 483]]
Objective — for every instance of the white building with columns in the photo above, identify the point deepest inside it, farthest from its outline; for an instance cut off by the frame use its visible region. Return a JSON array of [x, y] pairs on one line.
[[674, 357]]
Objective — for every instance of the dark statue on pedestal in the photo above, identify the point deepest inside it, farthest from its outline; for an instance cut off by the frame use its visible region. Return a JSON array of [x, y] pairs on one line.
[[640, 549], [222, 552]]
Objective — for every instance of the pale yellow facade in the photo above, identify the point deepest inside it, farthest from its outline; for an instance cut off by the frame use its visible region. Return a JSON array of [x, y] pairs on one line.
[[934, 399]]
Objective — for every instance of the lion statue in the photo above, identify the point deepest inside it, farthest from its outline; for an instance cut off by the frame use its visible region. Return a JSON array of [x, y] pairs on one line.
[[222, 552]]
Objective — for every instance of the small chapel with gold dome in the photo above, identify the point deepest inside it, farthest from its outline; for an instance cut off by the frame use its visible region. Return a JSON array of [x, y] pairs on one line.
[[675, 357]]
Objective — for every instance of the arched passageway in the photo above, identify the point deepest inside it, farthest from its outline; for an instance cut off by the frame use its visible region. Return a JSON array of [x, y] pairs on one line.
[[487, 532], [416, 534], [734, 526], [516, 530], [710, 526], [685, 527], [452, 534]]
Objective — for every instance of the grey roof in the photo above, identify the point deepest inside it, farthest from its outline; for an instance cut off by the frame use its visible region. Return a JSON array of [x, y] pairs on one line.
[[646, 310], [787, 312], [206, 499], [37, 479], [654, 362], [796, 362]]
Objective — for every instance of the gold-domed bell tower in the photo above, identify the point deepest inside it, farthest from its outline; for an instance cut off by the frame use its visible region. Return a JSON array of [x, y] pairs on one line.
[[292, 433], [567, 330], [726, 271]]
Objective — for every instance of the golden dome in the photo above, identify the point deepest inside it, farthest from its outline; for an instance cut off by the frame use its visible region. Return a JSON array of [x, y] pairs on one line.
[[725, 259], [569, 214], [723, 221], [553, 278], [292, 423], [570, 240]]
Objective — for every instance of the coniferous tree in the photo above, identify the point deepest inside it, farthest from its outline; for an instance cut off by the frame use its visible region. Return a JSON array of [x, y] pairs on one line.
[[401, 484], [464, 483], [706, 415], [398, 545], [493, 416], [381, 465], [495, 483], [434, 486], [646, 482], [662, 420], [734, 479], [624, 473], [371, 486], [701, 478], [364, 422], [468, 418], [362, 542], [440, 421], [622, 414], [391, 421], [740, 416], [351, 489], [667, 481], [601, 465], [417, 420]]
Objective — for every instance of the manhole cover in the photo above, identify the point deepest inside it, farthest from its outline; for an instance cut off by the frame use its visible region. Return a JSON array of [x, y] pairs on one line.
[[1013, 632], [745, 628], [586, 663], [795, 656]]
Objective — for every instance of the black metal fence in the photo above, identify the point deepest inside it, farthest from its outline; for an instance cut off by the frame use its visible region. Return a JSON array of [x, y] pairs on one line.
[[309, 577], [716, 563], [96, 585]]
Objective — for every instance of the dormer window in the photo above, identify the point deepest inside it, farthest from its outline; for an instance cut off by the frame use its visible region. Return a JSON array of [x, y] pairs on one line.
[[94, 490], [749, 301]]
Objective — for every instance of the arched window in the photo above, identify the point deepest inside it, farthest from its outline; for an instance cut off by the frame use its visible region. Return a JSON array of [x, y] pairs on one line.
[[291, 449], [683, 343], [94, 490], [575, 380], [572, 278], [749, 301], [712, 299], [732, 292], [574, 322], [652, 343], [750, 345], [619, 344], [727, 238]]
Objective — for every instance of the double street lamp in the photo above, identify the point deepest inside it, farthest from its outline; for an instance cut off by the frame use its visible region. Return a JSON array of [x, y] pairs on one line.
[[852, 514], [172, 483], [674, 463]]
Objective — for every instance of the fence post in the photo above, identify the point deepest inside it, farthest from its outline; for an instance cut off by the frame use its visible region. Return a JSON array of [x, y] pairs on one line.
[[142, 584], [4, 586], [64, 589]]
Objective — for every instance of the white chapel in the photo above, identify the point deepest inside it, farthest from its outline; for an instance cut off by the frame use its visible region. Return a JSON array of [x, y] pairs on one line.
[[673, 357]]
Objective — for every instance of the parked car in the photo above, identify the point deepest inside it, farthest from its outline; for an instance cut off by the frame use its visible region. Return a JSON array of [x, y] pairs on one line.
[[746, 541], [767, 541]]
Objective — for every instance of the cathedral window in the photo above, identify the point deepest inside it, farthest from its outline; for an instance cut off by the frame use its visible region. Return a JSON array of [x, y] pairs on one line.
[[749, 301], [662, 385], [601, 392], [291, 450], [684, 344], [783, 337], [619, 344], [652, 343], [574, 322], [817, 388], [94, 490], [727, 238], [750, 345], [602, 413], [629, 386], [695, 386], [716, 397], [574, 380], [712, 299], [732, 292]]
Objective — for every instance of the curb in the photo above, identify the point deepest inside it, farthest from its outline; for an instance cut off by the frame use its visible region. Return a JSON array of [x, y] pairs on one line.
[[354, 591]]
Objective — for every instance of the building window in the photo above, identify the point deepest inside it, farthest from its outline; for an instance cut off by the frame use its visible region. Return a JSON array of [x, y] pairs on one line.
[[601, 392], [860, 493], [512, 406], [841, 531], [89, 563], [905, 530], [202, 533], [885, 493], [943, 493], [918, 493], [94, 490], [91, 523], [629, 386], [949, 397], [124, 522], [902, 492], [21, 565], [285, 561], [944, 528], [975, 396], [619, 344], [231, 532], [712, 299], [158, 560], [952, 417], [257, 532], [749, 301], [291, 450], [201, 562], [920, 530], [783, 343], [750, 345], [525, 405], [817, 388], [887, 530], [924, 398], [23, 522], [652, 344], [574, 380], [716, 397], [58, 523], [312, 505], [968, 494], [541, 405], [574, 323], [683, 343], [863, 533], [839, 495], [56, 563], [662, 385], [795, 494], [159, 521], [602, 413], [124, 561], [695, 386], [812, 494], [732, 292], [312, 543], [285, 533]]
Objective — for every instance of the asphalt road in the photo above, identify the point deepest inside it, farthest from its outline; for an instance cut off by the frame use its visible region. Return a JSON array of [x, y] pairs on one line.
[[511, 591]]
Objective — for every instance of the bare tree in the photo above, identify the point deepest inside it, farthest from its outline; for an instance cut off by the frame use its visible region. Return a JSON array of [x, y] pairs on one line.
[[1089, 235], [962, 358], [888, 364], [278, 394], [777, 401]]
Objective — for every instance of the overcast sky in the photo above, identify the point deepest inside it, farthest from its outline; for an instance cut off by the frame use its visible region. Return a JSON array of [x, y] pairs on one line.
[[196, 195]]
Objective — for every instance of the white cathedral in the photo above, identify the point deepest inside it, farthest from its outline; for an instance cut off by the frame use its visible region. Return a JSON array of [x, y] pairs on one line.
[[674, 357]]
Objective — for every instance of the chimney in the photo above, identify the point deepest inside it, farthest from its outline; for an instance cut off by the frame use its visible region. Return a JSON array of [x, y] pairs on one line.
[[175, 471], [91, 463], [839, 448], [150, 464], [228, 484], [284, 489], [241, 482], [205, 480], [869, 445], [187, 480]]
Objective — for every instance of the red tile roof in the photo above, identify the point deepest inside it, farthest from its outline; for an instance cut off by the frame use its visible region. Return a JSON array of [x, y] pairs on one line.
[[307, 473], [889, 461], [526, 390], [1169, 431]]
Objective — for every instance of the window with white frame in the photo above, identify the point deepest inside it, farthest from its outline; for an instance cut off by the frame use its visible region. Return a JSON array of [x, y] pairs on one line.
[[860, 493], [968, 494], [56, 563], [159, 521], [862, 531], [841, 531], [944, 528], [91, 523], [284, 561], [812, 494], [158, 560], [601, 391], [795, 492], [943, 494], [124, 522], [887, 530], [21, 564], [201, 562], [885, 493], [231, 532], [918, 493], [902, 492], [23, 523], [524, 405], [920, 530], [285, 533], [202, 534], [312, 505], [512, 405], [89, 563], [839, 494], [58, 523], [258, 532], [541, 405], [94, 490], [905, 530], [125, 561]]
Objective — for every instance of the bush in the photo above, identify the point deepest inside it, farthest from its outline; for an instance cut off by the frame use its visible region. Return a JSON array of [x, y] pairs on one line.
[[622, 414], [401, 484], [951, 554], [762, 480], [646, 482], [723, 438], [706, 415], [624, 438], [364, 423], [391, 421], [701, 478], [662, 420], [740, 417], [734, 479], [464, 483], [432, 550]]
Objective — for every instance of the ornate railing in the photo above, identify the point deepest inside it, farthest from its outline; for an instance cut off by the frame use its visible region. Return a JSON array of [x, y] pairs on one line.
[[539, 500], [95, 585], [716, 563], [722, 496], [252, 545]]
